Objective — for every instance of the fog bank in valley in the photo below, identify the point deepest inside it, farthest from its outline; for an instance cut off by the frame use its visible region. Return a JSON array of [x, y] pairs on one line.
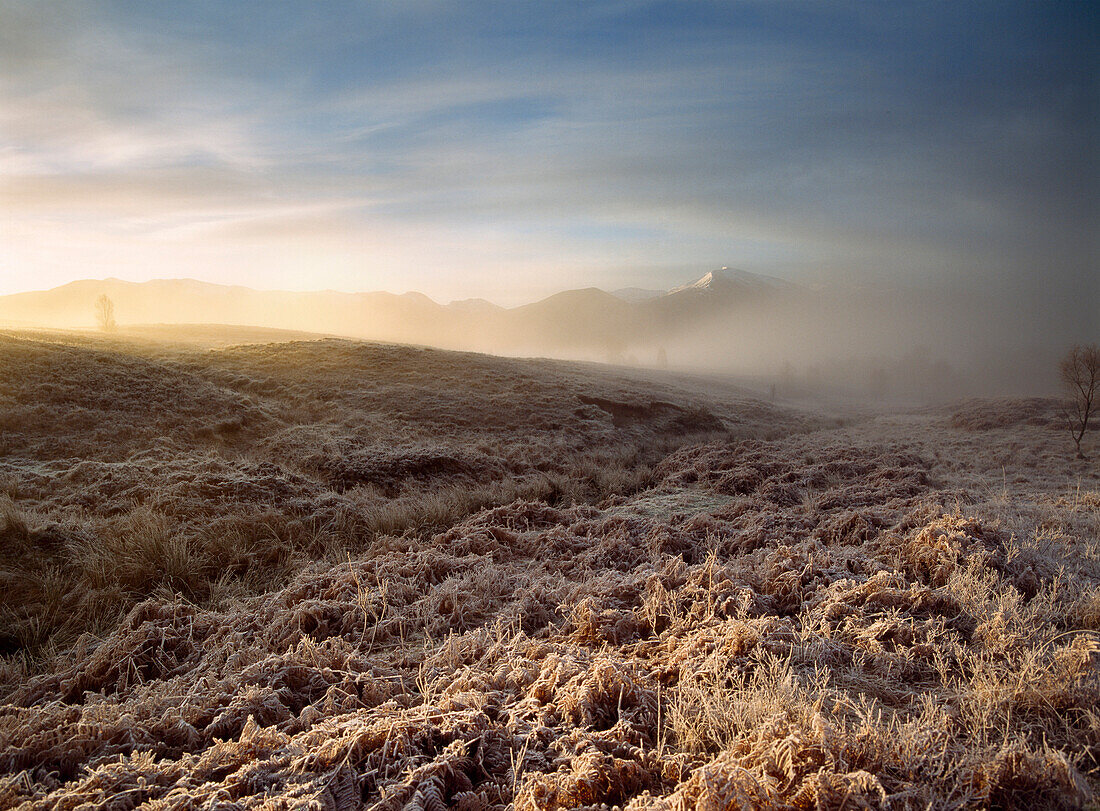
[[875, 342]]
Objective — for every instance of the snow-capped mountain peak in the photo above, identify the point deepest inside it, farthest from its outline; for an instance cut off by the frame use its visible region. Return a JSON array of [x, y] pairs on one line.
[[732, 278]]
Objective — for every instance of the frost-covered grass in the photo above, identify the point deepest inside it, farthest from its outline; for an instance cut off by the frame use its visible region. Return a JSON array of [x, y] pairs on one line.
[[136, 468], [562, 611]]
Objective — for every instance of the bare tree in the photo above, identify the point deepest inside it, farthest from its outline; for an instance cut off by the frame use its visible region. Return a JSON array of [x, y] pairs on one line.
[[105, 313], [1080, 371]]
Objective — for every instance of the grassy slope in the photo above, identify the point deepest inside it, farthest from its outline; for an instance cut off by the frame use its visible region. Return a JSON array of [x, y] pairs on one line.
[[901, 613], [131, 466]]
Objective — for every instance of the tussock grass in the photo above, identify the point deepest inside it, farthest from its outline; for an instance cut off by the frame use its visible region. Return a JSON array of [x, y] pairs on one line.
[[568, 613]]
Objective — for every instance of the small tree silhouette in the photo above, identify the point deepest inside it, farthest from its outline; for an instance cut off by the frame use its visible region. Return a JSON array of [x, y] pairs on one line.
[[1080, 372], [105, 313]]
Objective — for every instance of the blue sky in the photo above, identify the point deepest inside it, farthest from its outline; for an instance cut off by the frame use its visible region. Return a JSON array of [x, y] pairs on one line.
[[509, 150]]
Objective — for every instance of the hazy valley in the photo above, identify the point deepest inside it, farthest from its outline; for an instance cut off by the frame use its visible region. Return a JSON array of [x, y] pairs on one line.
[[885, 343]]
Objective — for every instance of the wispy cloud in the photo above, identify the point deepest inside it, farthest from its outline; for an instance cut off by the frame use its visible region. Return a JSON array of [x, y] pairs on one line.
[[923, 142]]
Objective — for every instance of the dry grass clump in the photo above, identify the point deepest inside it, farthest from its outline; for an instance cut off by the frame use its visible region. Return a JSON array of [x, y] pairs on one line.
[[659, 685], [854, 618]]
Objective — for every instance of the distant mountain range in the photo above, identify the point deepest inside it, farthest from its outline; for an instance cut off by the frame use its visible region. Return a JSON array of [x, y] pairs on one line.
[[913, 341], [585, 322]]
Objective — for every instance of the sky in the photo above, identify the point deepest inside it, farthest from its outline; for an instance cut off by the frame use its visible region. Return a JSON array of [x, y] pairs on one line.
[[510, 150]]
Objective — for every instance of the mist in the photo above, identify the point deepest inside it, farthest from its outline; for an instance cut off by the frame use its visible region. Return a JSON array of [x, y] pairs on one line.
[[927, 344], [877, 343]]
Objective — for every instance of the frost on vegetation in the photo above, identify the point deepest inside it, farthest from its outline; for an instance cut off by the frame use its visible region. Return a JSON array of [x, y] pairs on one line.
[[562, 658], [821, 621]]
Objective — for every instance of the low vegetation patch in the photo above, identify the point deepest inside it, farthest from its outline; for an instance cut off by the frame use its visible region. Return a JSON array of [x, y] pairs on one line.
[[843, 618]]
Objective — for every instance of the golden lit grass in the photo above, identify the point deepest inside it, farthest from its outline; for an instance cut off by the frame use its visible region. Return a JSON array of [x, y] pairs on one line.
[[894, 614]]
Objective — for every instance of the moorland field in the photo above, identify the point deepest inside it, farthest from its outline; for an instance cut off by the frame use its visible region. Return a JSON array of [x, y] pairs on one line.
[[301, 573]]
